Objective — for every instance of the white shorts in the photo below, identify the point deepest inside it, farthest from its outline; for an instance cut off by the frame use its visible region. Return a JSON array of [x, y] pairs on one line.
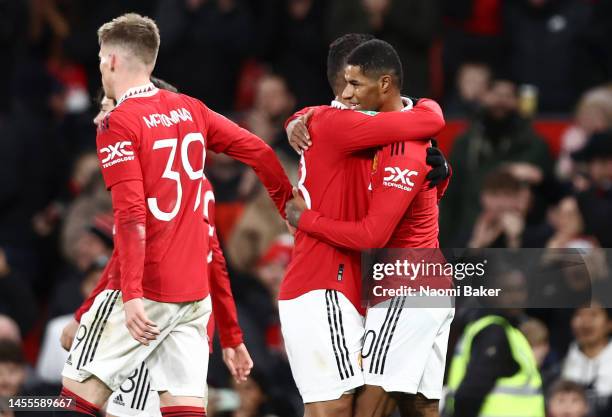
[[136, 398], [404, 349], [323, 334], [177, 360]]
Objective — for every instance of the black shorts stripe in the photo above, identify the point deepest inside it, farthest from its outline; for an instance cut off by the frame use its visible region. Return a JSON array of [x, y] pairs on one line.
[[331, 332], [384, 358], [106, 316], [335, 316], [145, 379], [146, 396], [345, 349], [90, 330], [378, 338], [384, 342], [135, 390]]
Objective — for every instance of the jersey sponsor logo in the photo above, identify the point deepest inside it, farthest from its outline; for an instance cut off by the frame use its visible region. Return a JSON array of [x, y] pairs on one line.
[[69, 360], [117, 153], [172, 118], [399, 178], [119, 400]]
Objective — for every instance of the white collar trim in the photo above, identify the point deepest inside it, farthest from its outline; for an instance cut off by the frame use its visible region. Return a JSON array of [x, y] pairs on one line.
[[146, 90]]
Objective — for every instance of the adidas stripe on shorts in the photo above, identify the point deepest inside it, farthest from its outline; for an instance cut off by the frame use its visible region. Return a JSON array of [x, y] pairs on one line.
[[404, 348], [177, 361], [323, 335]]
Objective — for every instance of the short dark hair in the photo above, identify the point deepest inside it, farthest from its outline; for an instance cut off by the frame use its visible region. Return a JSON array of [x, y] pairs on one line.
[[501, 180], [339, 50], [563, 386], [11, 352], [376, 58]]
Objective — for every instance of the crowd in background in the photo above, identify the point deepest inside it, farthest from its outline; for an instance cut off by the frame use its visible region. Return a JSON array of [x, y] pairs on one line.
[[496, 64]]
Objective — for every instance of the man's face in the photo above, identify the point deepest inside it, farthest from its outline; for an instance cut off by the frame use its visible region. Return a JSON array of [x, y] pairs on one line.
[[107, 62], [501, 99], [361, 92], [590, 326], [106, 105], [600, 170]]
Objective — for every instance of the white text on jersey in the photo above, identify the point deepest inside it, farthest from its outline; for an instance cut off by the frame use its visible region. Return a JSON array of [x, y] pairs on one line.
[[176, 116], [399, 178], [117, 153]]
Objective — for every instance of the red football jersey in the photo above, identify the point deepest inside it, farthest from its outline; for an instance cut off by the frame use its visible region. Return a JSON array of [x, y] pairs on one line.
[[403, 210], [152, 149], [334, 178]]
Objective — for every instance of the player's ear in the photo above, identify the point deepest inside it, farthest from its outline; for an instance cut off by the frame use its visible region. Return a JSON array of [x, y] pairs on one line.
[[113, 62], [384, 83]]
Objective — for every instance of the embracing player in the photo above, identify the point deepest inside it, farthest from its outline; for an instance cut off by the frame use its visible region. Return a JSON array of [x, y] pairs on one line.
[[324, 346], [404, 349], [156, 304]]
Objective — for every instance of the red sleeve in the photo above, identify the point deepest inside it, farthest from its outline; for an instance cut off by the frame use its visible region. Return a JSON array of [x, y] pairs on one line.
[[225, 136], [117, 151], [130, 218], [86, 305], [298, 114], [356, 130], [391, 197], [223, 304]]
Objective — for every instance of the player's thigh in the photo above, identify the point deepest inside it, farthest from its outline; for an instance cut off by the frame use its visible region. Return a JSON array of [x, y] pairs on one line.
[[103, 346], [398, 343], [323, 334], [373, 401], [179, 365], [135, 397], [433, 375], [340, 407]]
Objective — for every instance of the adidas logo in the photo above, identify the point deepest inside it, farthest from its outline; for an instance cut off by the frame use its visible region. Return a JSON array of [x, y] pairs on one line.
[[69, 360], [119, 400]]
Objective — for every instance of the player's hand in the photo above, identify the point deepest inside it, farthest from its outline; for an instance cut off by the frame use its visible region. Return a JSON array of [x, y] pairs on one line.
[[297, 132], [140, 327], [294, 209], [238, 361], [68, 334], [439, 167]]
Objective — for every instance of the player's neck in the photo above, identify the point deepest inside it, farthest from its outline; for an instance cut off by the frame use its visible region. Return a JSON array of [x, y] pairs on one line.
[[128, 82], [393, 103]]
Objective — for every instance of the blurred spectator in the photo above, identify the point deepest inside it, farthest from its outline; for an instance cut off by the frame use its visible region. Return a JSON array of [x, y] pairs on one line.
[[494, 367], [567, 399], [505, 201], [537, 335], [9, 329], [473, 80], [274, 103], [211, 39], [593, 115], [409, 25], [12, 369], [595, 198], [568, 225], [496, 136], [589, 360], [544, 46], [291, 37]]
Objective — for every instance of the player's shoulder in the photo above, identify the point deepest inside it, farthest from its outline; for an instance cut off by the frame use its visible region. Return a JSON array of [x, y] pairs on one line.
[[409, 149], [117, 119]]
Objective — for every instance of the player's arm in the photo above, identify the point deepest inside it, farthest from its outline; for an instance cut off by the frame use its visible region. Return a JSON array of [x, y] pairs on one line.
[[387, 207], [225, 136], [222, 298], [118, 153], [355, 130]]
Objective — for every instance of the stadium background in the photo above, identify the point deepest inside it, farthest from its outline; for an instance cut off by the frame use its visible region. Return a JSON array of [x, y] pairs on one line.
[[257, 61]]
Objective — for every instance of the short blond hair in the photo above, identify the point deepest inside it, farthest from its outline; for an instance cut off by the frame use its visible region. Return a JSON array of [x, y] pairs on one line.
[[138, 34]]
